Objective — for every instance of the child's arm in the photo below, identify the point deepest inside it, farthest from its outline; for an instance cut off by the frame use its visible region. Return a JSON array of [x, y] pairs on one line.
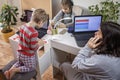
[[34, 42]]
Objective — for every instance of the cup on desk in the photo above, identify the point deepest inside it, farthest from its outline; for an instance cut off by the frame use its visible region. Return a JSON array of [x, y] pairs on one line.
[[54, 31]]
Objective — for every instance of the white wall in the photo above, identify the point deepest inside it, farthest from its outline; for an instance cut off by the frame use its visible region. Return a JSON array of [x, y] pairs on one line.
[[16, 3], [1, 3], [86, 3]]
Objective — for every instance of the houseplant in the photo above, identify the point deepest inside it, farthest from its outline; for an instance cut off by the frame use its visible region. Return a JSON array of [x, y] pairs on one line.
[[8, 18], [109, 9]]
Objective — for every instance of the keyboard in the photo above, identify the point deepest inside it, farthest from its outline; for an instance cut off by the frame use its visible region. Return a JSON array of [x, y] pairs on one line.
[[81, 43], [82, 38]]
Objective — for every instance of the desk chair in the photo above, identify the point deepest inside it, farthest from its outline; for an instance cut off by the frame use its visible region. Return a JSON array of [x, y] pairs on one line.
[[25, 76]]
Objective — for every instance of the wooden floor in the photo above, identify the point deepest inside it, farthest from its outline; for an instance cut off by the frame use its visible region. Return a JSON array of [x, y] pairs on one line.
[[5, 52]]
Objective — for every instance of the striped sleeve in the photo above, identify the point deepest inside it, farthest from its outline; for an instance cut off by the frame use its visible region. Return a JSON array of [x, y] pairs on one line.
[[34, 41]]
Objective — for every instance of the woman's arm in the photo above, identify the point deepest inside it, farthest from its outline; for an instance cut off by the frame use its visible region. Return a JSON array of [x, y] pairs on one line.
[[86, 61], [83, 61]]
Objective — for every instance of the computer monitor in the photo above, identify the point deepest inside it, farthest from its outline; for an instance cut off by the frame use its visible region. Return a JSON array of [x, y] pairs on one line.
[[87, 23]]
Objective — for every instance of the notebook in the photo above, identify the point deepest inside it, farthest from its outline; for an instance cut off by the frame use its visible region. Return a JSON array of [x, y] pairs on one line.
[[85, 27]]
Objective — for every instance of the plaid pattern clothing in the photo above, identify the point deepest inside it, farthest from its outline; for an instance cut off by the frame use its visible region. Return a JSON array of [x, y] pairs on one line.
[[27, 48], [25, 63]]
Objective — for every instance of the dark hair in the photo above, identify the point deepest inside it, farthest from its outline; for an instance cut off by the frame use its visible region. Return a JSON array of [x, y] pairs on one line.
[[69, 3], [111, 39]]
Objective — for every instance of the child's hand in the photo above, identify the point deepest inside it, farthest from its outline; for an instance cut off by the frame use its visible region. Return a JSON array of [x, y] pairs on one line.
[[94, 42], [41, 42], [49, 31]]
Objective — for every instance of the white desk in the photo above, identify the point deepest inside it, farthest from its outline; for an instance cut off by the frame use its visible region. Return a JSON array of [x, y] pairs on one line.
[[61, 49], [65, 43]]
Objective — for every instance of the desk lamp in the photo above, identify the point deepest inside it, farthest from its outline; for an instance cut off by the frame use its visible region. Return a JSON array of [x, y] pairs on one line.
[[58, 22]]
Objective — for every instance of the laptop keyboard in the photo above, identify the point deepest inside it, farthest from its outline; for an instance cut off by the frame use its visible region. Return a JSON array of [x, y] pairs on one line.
[[81, 43], [82, 38]]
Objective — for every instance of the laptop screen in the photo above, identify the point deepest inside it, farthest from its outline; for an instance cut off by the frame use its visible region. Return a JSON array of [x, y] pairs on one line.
[[87, 23]]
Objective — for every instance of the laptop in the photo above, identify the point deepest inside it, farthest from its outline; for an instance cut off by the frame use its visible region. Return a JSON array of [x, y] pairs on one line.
[[85, 27]]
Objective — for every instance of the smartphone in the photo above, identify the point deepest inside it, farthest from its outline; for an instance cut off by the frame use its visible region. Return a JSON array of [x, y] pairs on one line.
[[99, 40]]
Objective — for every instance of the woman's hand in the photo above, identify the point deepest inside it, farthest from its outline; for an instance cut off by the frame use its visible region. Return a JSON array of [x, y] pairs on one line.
[[94, 42]]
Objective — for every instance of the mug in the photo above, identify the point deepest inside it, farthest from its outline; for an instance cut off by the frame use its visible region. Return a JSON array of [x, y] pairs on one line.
[[54, 31]]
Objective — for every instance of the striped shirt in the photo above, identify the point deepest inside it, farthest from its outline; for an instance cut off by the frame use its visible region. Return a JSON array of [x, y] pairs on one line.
[[27, 48], [28, 40]]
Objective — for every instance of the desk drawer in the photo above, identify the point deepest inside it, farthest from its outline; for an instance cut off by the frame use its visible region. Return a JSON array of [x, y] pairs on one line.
[[44, 62]]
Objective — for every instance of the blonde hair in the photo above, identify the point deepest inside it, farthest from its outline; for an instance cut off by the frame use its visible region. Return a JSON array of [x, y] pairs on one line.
[[39, 15]]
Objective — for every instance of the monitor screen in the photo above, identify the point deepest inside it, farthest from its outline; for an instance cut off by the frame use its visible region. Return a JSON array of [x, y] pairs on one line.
[[87, 23]]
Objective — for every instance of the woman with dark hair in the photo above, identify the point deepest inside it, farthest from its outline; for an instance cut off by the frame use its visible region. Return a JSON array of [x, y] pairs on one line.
[[68, 10], [99, 59]]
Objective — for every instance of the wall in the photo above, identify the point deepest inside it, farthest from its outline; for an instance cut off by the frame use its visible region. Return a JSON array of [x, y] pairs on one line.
[[2, 2], [28, 4], [48, 4], [45, 4], [16, 3], [55, 7], [86, 3]]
